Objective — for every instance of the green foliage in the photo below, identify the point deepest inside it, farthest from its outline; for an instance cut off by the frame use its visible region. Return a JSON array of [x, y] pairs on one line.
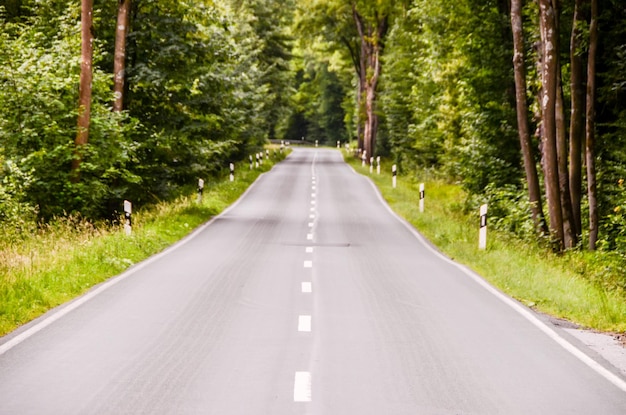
[[38, 94], [457, 116], [207, 84], [318, 112]]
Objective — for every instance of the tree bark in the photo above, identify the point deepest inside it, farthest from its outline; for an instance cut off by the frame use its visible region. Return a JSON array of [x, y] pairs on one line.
[[577, 120], [549, 37], [119, 63], [84, 91], [590, 127], [530, 166], [562, 145], [371, 37], [361, 73], [569, 234]]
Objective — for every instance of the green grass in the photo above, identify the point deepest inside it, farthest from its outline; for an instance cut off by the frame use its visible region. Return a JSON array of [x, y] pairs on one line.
[[564, 286], [69, 256]]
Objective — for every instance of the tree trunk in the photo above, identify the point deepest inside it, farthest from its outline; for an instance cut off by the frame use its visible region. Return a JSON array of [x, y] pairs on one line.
[[549, 37], [371, 37], [577, 120], [362, 72], [569, 235], [84, 91], [119, 63], [562, 145], [590, 127], [534, 191]]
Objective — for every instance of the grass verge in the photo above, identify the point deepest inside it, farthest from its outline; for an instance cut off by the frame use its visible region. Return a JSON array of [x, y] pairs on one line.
[[67, 257], [559, 285]]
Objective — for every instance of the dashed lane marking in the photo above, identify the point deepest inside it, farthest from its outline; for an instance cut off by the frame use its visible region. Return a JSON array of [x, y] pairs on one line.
[[302, 387], [304, 323]]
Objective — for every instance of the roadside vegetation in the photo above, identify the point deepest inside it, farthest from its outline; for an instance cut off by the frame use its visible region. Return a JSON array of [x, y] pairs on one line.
[[58, 261], [522, 103], [585, 288]]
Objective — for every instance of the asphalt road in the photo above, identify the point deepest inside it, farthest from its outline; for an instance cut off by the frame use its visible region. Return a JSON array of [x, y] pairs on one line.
[[307, 297]]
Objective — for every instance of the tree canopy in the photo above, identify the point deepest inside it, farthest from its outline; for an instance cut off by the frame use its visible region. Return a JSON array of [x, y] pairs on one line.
[[522, 102]]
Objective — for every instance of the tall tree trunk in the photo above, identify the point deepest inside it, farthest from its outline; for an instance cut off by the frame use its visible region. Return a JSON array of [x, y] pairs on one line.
[[549, 37], [590, 127], [371, 85], [577, 120], [119, 63], [371, 37], [534, 191], [569, 234], [84, 91], [562, 145]]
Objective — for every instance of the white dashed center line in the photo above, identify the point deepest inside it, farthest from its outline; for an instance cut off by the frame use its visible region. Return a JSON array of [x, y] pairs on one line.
[[308, 264], [304, 323], [309, 236], [307, 287], [309, 250], [302, 387]]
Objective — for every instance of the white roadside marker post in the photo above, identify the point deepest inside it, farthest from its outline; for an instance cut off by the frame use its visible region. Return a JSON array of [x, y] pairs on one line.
[[232, 172], [338, 144], [422, 195], [371, 165], [363, 158], [200, 190], [250, 161], [482, 233], [267, 154], [257, 160], [128, 222], [282, 146], [378, 165], [316, 143], [394, 173]]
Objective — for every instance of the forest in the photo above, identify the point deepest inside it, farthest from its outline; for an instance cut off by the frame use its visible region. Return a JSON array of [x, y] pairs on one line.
[[523, 103]]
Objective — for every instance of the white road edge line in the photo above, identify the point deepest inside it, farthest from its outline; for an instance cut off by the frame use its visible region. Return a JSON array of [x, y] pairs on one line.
[[73, 305], [597, 367], [302, 387]]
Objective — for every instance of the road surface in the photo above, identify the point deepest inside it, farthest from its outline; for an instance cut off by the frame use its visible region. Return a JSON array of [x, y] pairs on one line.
[[306, 297]]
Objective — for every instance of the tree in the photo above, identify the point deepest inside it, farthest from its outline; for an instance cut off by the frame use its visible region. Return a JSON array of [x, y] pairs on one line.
[[590, 127], [549, 42], [359, 29], [372, 25], [577, 117], [534, 190], [119, 63], [86, 79]]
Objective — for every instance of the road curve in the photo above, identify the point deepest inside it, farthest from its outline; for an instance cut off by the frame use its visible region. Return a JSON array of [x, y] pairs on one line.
[[306, 297]]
